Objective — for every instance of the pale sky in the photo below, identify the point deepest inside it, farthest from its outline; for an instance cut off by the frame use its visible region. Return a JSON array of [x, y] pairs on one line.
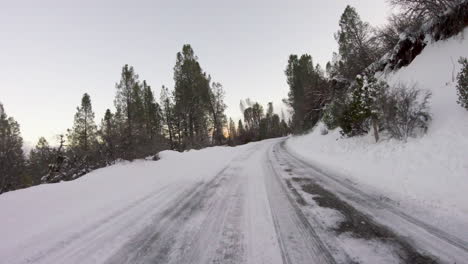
[[51, 52]]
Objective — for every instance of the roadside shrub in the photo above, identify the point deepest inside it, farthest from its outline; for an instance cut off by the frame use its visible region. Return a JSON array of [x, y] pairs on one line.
[[462, 84], [361, 110], [404, 111], [323, 131], [332, 113]]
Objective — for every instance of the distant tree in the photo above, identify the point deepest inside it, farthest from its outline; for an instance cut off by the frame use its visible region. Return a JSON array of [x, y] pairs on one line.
[[151, 139], [128, 104], [462, 83], [82, 137], [308, 92], [192, 95], [109, 136], [168, 116], [232, 132], [297, 73], [241, 133], [39, 160], [284, 128], [275, 127], [217, 108], [59, 168], [152, 113], [12, 161]]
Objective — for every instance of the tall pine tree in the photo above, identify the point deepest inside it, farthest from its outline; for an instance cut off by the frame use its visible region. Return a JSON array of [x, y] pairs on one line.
[[12, 161], [82, 137]]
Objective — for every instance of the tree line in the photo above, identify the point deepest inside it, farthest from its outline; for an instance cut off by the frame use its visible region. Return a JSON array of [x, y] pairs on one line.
[[189, 116], [347, 95]]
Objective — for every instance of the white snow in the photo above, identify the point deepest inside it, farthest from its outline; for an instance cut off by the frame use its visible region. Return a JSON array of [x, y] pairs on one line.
[[427, 175], [368, 251], [35, 218]]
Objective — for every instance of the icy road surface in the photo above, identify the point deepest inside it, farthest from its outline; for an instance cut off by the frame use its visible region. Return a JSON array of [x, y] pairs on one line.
[[259, 203]]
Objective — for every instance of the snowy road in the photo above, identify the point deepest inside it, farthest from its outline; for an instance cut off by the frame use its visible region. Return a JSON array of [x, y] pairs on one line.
[[264, 205]]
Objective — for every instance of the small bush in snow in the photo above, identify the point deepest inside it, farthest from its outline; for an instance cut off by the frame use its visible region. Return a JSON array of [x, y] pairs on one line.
[[156, 157], [404, 111], [323, 131], [462, 83], [332, 113]]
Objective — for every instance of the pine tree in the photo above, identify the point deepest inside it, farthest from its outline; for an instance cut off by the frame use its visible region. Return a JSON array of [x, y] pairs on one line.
[[358, 47], [362, 109], [462, 83], [232, 132], [303, 81], [241, 132], [217, 108], [128, 104], [192, 94], [12, 161], [39, 159], [82, 136], [109, 136], [152, 114], [275, 126], [168, 116]]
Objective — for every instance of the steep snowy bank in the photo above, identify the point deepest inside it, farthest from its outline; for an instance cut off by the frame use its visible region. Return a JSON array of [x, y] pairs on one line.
[[428, 174]]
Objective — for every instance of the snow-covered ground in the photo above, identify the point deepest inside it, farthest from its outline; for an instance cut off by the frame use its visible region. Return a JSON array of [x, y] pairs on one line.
[[34, 219], [256, 203], [428, 175], [309, 199]]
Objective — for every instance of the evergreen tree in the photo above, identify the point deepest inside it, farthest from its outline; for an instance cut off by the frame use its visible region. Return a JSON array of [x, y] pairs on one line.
[[168, 116], [308, 92], [192, 95], [217, 108], [82, 137], [109, 136], [362, 111], [462, 83], [39, 159], [241, 135], [275, 126], [60, 168], [358, 47], [12, 161], [129, 105], [232, 132], [152, 114]]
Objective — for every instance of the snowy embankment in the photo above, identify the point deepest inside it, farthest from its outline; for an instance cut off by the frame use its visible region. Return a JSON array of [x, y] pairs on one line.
[[48, 213], [427, 175]]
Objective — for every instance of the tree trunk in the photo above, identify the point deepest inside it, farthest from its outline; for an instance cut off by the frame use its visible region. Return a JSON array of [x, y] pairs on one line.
[[376, 130]]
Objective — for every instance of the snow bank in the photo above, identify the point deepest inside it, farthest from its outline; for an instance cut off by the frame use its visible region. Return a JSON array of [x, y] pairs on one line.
[[427, 174], [49, 212]]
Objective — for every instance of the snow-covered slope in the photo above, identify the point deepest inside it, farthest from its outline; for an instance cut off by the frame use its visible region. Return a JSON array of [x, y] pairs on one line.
[[47, 214], [427, 174]]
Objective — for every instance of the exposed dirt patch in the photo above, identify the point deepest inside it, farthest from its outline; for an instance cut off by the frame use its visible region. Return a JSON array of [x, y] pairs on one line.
[[358, 224]]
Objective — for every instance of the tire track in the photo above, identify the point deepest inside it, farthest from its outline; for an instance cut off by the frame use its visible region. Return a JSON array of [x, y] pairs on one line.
[[369, 202], [208, 214], [298, 240], [65, 247]]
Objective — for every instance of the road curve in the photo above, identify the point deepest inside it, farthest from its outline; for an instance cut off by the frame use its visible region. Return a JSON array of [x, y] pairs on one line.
[[267, 205]]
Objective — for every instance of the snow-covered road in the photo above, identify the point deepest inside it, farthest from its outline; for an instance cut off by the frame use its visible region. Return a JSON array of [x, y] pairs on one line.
[[259, 203]]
